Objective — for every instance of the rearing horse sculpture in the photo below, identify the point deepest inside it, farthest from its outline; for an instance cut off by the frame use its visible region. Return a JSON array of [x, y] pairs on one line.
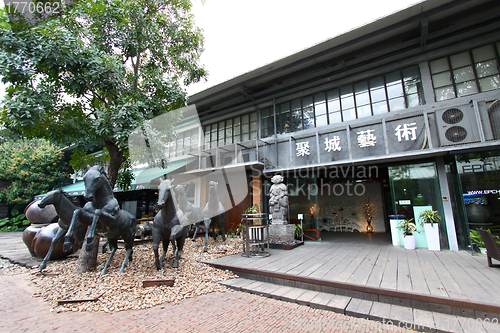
[[104, 216], [64, 208], [167, 225], [214, 212], [192, 212]]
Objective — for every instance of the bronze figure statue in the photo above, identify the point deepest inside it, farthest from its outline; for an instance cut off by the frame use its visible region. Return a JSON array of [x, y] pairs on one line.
[[104, 216], [169, 225], [214, 212], [192, 212], [64, 208]]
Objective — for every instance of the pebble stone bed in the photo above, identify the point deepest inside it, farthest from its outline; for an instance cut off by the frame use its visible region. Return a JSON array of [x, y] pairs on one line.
[[117, 292]]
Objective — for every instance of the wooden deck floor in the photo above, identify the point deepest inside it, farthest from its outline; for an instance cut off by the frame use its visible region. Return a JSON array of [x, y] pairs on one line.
[[372, 261]]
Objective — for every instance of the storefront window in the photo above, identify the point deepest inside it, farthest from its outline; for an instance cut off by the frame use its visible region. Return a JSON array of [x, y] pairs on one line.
[[480, 183], [415, 188]]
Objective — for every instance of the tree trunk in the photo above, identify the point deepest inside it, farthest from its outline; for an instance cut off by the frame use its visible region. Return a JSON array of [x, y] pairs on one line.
[[88, 260], [115, 161]]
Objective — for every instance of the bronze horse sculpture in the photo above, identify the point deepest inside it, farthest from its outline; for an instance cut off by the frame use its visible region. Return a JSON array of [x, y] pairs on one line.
[[169, 225], [214, 212], [192, 212], [64, 208], [104, 216]]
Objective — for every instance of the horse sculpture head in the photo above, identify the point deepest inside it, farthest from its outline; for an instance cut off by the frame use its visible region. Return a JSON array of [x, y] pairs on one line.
[[180, 190], [212, 187], [164, 192], [51, 198], [93, 179]]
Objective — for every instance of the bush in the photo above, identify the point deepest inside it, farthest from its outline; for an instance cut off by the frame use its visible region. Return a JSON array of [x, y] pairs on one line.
[[18, 222], [33, 167]]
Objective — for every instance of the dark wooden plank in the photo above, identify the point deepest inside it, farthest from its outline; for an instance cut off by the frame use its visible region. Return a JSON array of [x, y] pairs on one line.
[[154, 283]]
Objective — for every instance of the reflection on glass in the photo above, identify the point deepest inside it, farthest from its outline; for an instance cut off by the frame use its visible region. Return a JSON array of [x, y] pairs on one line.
[[380, 107], [364, 111], [441, 80], [362, 98], [413, 100], [348, 114], [296, 120], [466, 88], [395, 90], [347, 102], [378, 95], [490, 83], [335, 117], [463, 74], [397, 104], [486, 68], [444, 93]]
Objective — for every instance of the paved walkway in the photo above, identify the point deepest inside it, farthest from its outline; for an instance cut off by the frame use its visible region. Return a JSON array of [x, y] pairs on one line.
[[232, 311]]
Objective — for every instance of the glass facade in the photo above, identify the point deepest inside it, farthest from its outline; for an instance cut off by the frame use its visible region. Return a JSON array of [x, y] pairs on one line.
[[384, 93], [466, 73], [232, 130]]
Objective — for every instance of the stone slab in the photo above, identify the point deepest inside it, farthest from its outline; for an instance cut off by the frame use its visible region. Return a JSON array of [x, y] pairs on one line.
[[281, 233]]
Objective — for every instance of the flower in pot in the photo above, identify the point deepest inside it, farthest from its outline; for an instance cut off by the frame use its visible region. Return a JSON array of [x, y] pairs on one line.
[[429, 219], [408, 227]]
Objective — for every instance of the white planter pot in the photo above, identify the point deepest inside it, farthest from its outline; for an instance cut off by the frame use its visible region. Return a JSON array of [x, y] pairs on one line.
[[432, 236], [409, 242]]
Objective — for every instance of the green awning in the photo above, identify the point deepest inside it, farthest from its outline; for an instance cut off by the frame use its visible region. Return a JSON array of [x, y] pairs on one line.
[[143, 178]]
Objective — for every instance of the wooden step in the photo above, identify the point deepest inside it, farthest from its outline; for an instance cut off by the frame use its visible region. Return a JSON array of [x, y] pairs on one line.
[[383, 314]]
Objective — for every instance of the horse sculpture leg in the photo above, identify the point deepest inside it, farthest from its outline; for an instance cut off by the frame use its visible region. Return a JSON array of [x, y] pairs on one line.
[[128, 255], [156, 245], [67, 239], [178, 251], [221, 223], [207, 229], [90, 237], [164, 242], [197, 228], [113, 243], [58, 236]]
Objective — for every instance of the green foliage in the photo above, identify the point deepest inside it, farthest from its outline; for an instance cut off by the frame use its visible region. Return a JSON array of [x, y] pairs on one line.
[[17, 223], [477, 240], [255, 209], [298, 231], [93, 74], [407, 226], [33, 167], [429, 216]]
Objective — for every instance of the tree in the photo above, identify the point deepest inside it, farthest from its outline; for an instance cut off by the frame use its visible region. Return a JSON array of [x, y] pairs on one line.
[[33, 167], [96, 71]]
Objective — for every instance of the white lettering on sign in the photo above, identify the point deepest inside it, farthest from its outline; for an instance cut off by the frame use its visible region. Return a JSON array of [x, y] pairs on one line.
[[333, 144], [302, 148], [406, 132], [366, 138]]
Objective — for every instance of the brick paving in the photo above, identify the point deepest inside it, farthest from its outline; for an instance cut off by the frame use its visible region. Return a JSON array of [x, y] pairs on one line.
[[231, 311]]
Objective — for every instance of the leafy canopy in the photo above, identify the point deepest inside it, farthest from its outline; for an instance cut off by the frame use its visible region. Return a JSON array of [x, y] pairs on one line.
[[95, 72]]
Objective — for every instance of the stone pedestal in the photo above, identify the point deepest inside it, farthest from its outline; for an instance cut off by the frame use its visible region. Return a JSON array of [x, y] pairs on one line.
[[281, 233]]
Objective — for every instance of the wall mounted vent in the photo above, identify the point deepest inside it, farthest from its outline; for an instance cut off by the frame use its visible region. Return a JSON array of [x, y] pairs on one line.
[[494, 114], [457, 125]]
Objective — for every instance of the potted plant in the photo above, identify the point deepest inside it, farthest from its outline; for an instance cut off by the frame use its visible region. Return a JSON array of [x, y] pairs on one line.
[[408, 227], [430, 219]]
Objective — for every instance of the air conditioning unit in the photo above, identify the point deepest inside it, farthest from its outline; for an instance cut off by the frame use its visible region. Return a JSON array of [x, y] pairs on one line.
[[457, 125]]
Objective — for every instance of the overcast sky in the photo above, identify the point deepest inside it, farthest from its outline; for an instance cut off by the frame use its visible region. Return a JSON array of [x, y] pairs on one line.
[[243, 35]]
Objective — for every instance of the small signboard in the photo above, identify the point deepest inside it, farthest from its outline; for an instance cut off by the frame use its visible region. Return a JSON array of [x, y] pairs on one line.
[[405, 202]]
